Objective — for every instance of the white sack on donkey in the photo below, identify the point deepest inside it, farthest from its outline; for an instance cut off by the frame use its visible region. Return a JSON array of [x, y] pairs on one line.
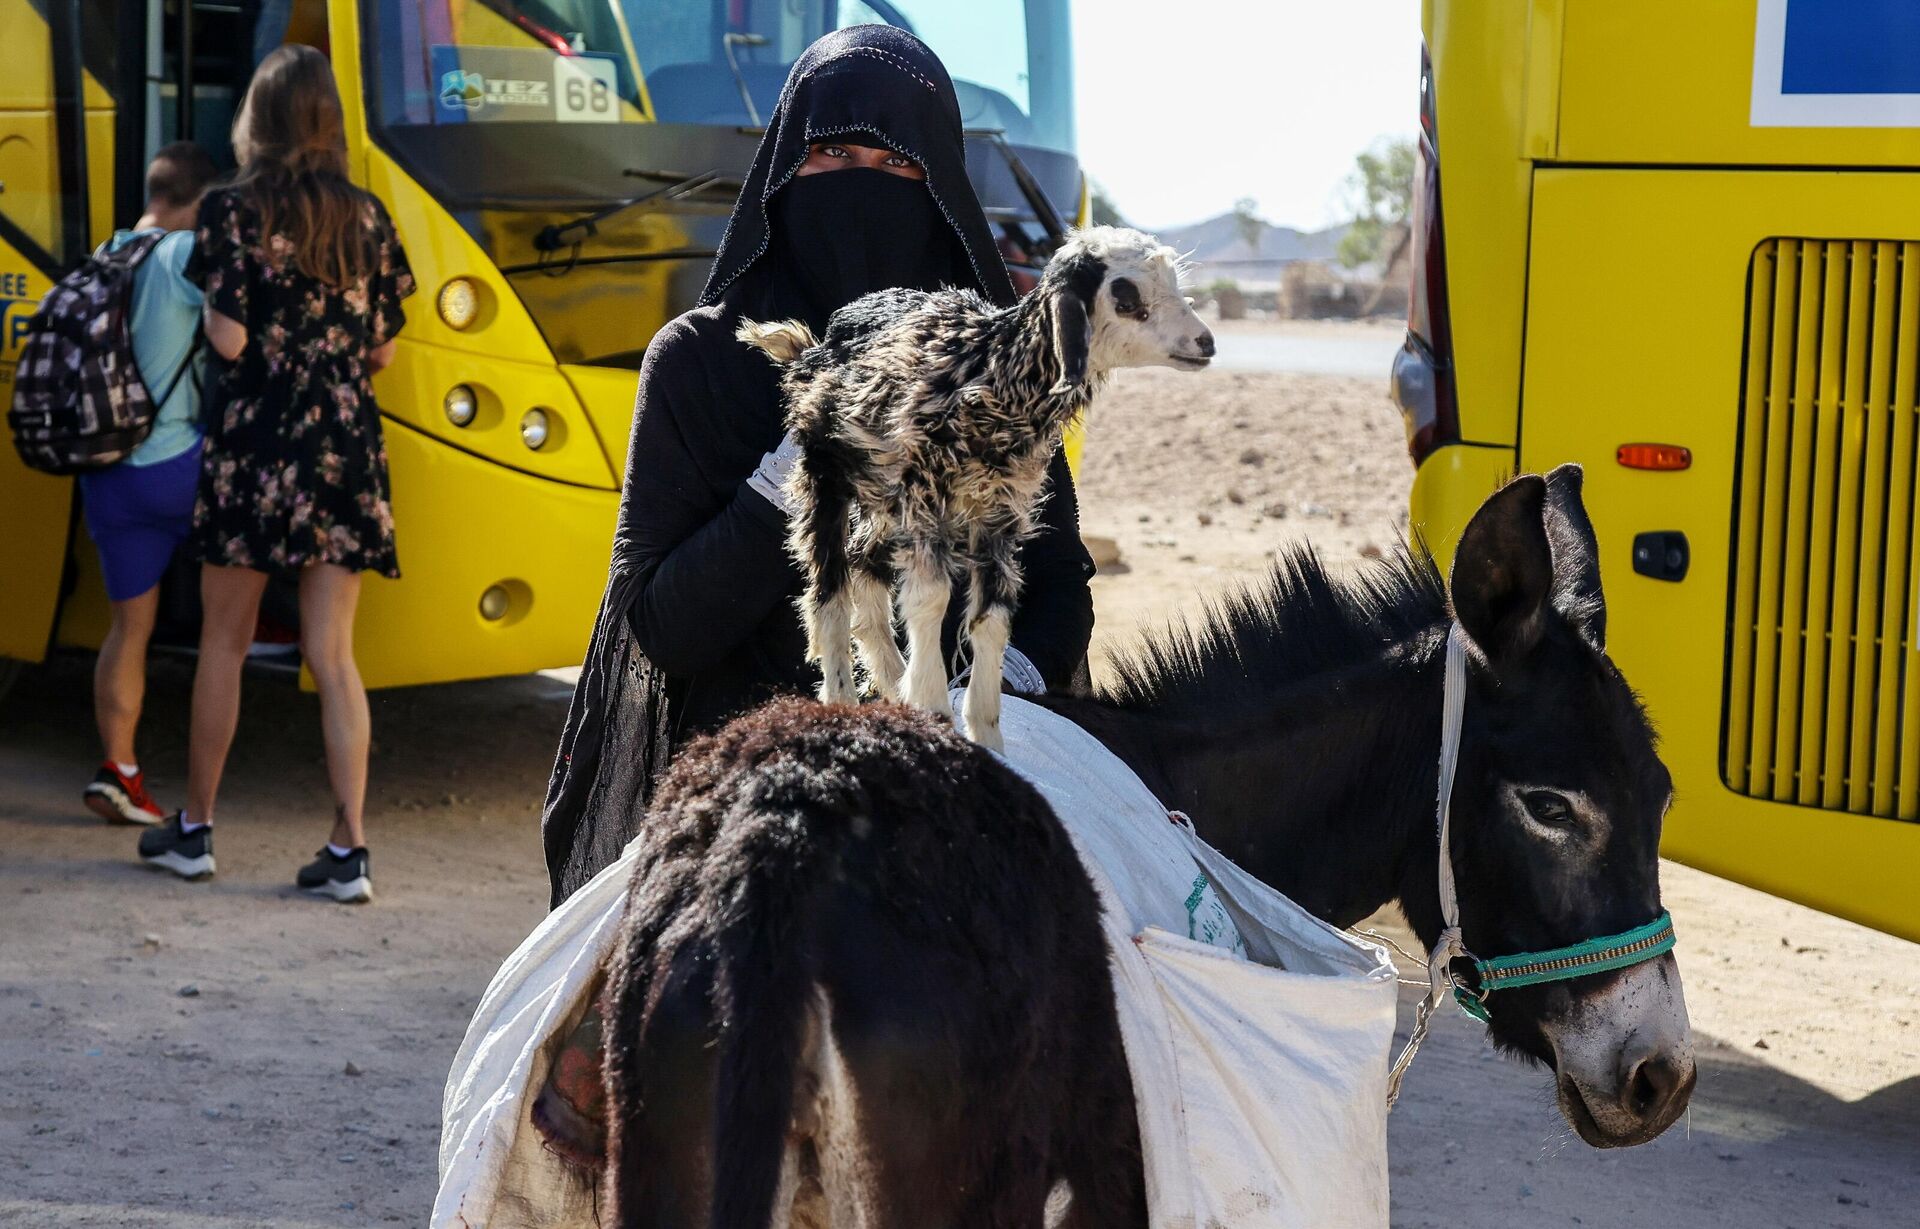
[[926, 421]]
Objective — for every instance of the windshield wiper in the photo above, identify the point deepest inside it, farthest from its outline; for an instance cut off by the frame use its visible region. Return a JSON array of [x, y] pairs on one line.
[[732, 39], [570, 234], [1037, 200]]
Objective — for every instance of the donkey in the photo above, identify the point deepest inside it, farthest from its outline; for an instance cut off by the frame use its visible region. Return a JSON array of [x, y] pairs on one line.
[[861, 976], [837, 996]]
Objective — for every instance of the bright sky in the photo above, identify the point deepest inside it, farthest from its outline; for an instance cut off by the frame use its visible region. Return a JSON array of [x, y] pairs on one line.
[[1185, 106]]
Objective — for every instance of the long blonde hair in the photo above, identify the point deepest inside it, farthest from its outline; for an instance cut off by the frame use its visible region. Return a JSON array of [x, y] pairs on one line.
[[290, 137]]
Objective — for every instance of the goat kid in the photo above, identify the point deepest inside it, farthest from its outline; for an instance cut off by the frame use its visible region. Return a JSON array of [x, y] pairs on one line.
[[926, 421]]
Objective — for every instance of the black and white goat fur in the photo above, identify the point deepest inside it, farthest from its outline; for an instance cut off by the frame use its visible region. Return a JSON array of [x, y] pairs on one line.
[[926, 421]]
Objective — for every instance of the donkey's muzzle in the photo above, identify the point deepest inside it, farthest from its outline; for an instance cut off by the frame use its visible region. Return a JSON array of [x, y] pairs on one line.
[[1651, 1093], [1657, 1088], [1623, 1053]]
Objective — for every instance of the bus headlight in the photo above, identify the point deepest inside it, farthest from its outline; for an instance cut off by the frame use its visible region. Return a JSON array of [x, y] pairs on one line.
[[533, 428], [459, 303], [460, 405]]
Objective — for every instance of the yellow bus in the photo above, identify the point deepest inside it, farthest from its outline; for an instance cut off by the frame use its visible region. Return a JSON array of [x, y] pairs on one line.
[[560, 172], [1680, 244]]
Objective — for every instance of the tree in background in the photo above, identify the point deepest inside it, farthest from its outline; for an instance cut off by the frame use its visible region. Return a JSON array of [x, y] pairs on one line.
[[1227, 298], [1248, 223], [1380, 192], [1100, 206]]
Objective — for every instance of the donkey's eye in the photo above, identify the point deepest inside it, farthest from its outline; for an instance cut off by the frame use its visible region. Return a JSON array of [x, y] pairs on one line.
[[1547, 807]]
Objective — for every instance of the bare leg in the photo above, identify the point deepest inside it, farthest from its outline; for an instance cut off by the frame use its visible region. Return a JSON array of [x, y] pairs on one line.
[[329, 594], [120, 674], [873, 632], [924, 593], [230, 602]]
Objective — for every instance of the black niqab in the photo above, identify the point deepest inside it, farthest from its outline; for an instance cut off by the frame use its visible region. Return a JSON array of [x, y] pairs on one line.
[[865, 85], [840, 235], [698, 622]]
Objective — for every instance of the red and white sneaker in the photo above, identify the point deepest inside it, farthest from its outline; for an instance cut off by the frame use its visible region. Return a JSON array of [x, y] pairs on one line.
[[120, 799]]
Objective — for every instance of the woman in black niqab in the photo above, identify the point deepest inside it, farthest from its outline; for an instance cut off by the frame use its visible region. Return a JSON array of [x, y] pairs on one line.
[[699, 623]]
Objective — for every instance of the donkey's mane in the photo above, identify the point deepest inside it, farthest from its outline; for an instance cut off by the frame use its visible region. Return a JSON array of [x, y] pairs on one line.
[[1302, 620]]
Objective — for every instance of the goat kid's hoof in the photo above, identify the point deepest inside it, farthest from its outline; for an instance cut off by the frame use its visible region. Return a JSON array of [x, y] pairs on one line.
[[989, 737], [935, 703], [840, 691]]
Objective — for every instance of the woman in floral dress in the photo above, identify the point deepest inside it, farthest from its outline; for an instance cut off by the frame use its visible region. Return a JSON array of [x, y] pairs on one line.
[[303, 277]]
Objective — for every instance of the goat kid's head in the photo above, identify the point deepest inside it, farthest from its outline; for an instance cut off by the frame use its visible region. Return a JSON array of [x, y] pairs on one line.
[[1116, 303], [1557, 811]]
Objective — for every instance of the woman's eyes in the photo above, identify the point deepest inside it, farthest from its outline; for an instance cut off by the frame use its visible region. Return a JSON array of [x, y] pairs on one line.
[[843, 154]]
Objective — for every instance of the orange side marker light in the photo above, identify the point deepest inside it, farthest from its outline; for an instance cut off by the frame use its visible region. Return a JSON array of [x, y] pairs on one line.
[[1654, 456]]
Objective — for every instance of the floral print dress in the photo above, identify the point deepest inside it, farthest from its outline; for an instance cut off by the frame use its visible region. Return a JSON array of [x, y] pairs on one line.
[[295, 470]]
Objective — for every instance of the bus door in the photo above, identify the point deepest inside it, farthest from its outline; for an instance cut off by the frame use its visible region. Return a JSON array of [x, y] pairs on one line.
[[56, 120], [94, 88]]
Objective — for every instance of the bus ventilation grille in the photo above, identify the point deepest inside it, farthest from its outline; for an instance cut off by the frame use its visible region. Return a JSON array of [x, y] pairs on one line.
[[1823, 685]]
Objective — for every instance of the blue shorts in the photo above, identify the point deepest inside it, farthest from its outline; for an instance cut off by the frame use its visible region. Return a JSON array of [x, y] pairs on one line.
[[137, 516]]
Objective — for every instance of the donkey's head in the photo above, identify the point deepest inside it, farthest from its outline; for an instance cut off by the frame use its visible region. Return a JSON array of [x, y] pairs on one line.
[[1556, 814], [1117, 303]]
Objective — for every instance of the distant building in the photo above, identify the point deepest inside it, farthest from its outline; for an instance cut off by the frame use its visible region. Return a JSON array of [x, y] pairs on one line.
[[1218, 249], [1291, 272]]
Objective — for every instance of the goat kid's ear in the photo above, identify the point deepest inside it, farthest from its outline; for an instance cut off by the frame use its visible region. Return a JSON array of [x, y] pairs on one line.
[[1503, 572], [1072, 338], [1076, 275], [1576, 557]]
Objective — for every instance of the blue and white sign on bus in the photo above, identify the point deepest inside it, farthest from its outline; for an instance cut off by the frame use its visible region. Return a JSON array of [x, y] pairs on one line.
[[524, 85], [1836, 64]]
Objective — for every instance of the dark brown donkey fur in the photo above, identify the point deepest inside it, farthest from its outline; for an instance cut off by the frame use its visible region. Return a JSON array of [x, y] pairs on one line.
[[861, 967]]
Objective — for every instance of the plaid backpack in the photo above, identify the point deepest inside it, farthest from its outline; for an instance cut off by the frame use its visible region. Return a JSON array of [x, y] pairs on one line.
[[78, 400]]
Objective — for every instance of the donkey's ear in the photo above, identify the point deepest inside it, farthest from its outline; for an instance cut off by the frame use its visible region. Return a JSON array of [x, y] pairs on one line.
[[1576, 558], [1072, 338], [1503, 571]]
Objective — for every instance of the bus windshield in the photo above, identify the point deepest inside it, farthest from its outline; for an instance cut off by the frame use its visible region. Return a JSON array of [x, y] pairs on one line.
[[593, 148], [443, 63]]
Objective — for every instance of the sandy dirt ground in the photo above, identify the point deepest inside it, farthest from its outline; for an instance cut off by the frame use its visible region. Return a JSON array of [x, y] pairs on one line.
[[228, 1054]]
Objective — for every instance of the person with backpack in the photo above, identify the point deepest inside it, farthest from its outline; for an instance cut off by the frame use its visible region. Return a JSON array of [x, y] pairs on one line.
[[140, 509], [303, 275]]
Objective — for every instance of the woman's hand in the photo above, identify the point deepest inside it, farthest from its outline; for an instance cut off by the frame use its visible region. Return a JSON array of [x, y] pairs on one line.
[[770, 478], [381, 356], [227, 336]]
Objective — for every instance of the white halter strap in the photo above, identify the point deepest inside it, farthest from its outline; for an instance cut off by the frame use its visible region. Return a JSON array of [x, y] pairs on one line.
[[1453, 707]]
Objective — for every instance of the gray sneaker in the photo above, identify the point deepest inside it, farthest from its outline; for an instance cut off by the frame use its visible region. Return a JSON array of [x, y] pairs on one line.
[[187, 854], [347, 880]]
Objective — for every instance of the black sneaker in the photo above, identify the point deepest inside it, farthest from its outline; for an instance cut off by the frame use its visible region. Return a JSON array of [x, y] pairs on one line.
[[346, 880], [187, 854]]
